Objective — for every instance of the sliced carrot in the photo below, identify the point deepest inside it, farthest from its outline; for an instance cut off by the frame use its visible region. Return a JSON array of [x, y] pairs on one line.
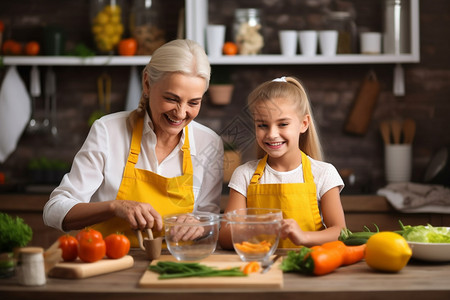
[[261, 247], [251, 267]]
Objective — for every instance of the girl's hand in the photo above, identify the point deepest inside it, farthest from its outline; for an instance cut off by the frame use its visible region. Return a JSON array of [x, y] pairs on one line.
[[186, 233], [139, 215], [291, 230]]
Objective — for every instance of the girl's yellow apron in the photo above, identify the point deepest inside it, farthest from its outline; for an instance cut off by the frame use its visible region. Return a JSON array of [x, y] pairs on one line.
[[166, 195], [298, 201]]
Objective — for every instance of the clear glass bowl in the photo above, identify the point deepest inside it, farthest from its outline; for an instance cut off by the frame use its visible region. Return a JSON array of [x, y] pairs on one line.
[[255, 232], [191, 236]]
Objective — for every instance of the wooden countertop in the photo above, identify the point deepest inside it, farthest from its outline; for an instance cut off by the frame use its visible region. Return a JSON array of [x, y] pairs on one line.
[[418, 280]]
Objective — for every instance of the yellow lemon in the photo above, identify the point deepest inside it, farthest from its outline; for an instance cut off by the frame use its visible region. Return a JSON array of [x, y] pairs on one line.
[[109, 29], [101, 18], [387, 251]]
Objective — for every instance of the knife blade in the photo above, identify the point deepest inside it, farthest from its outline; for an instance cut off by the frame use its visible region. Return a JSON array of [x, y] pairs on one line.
[[266, 267]]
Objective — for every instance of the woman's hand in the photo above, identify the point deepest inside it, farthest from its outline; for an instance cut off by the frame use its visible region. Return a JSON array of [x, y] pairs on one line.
[[186, 233], [139, 215]]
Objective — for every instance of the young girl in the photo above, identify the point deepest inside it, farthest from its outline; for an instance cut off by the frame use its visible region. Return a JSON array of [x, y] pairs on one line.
[[291, 176]]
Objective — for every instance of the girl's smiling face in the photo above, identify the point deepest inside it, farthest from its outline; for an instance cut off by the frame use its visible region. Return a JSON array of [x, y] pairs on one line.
[[278, 127], [175, 101]]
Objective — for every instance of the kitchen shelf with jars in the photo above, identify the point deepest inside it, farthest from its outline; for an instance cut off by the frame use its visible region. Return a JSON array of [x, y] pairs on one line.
[[196, 20]]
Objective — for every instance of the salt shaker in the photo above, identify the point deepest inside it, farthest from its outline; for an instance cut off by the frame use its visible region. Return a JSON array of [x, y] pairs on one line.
[[31, 271]]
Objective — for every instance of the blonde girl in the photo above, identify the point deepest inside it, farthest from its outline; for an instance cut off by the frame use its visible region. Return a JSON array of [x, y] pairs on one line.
[[291, 176]]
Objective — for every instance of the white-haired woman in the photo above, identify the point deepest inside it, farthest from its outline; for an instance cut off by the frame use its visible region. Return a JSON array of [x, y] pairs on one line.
[[136, 167]]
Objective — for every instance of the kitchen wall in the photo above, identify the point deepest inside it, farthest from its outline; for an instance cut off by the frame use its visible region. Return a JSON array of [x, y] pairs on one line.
[[332, 88]]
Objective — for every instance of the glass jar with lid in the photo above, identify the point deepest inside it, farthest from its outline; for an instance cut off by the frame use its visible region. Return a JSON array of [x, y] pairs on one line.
[[247, 31], [147, 25], [343, 22], [106, 24]]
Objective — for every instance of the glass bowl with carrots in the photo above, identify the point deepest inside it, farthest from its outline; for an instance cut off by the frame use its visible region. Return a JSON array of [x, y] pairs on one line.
[[191, 236], [255, 232]]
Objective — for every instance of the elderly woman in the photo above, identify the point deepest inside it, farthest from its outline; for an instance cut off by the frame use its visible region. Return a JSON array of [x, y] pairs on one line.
[[136, 167]]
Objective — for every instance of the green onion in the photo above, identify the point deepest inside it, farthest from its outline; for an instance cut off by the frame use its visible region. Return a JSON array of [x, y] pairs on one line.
[[170, 269]]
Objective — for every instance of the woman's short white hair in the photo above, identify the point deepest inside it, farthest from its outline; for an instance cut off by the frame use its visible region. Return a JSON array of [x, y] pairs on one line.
[[181, 56], [177, 56]]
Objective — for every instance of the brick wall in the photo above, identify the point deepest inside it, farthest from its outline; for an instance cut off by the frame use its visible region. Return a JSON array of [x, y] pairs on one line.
[[332, 88]]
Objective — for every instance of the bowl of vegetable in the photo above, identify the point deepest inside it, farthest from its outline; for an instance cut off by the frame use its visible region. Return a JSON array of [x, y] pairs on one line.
[[255, 232], [191, 236], [428, 243]]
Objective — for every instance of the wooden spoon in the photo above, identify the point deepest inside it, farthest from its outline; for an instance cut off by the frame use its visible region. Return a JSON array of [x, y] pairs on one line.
[[409, 130], [396, 127], [151, 246], [385, 132]]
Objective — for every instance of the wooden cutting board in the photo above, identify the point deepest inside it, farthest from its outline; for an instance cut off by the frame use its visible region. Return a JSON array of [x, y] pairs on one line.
[[79, 269], [272, 279]]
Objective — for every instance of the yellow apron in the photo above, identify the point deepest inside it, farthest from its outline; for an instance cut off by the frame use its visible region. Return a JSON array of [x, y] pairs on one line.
[[298, 201], [166, 195]]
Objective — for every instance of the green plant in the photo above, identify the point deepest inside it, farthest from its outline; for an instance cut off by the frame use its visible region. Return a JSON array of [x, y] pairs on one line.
[[14, 232]]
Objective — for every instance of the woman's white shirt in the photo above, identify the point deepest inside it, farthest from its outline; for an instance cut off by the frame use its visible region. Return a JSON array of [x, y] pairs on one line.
[[98, 167], [325, 176]]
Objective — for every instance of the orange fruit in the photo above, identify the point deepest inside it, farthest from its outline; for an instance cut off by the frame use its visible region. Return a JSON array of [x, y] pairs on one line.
[[127, 47], [230, 48], [32, 48]]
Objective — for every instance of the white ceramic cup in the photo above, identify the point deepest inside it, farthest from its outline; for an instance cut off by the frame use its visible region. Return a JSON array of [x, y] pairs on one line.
[[370, 42], [328, 40], [215, 38], [397, 162], [288, 42], [308, 42]]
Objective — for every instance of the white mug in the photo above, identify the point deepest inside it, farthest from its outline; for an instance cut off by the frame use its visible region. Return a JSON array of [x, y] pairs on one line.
[[215, 38], [288, 42], [308, 42], [328, 40], [370, 42]]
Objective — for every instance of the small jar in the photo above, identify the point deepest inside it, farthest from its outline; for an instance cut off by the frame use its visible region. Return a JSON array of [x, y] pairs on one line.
[[147, 25], [31, 268], [247, 31], [343, 22], [106, 24]]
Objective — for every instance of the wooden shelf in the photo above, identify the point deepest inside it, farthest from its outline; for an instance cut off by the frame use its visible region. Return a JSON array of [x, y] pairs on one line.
[[76, 61], [223, 60]]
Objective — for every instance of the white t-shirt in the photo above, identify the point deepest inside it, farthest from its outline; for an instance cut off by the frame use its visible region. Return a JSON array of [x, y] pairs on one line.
[[98, 167], [325, 176]]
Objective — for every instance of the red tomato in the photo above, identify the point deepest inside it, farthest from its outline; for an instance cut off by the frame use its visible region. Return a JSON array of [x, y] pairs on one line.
[[89, 233], [12, 47], [32, 48], [91, 250], [128, 47], [69, 247], [117, 245]]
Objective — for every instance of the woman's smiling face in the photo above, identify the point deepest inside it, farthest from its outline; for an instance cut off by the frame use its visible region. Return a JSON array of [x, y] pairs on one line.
[[175, 101], [278, 127]]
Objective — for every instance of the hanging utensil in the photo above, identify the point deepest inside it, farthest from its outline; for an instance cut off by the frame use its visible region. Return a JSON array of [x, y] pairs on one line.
[[50, 95], [104, 98], [35, 91]]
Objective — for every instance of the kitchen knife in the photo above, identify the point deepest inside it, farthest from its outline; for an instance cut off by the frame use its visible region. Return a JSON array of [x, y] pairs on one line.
[[266, 267]]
